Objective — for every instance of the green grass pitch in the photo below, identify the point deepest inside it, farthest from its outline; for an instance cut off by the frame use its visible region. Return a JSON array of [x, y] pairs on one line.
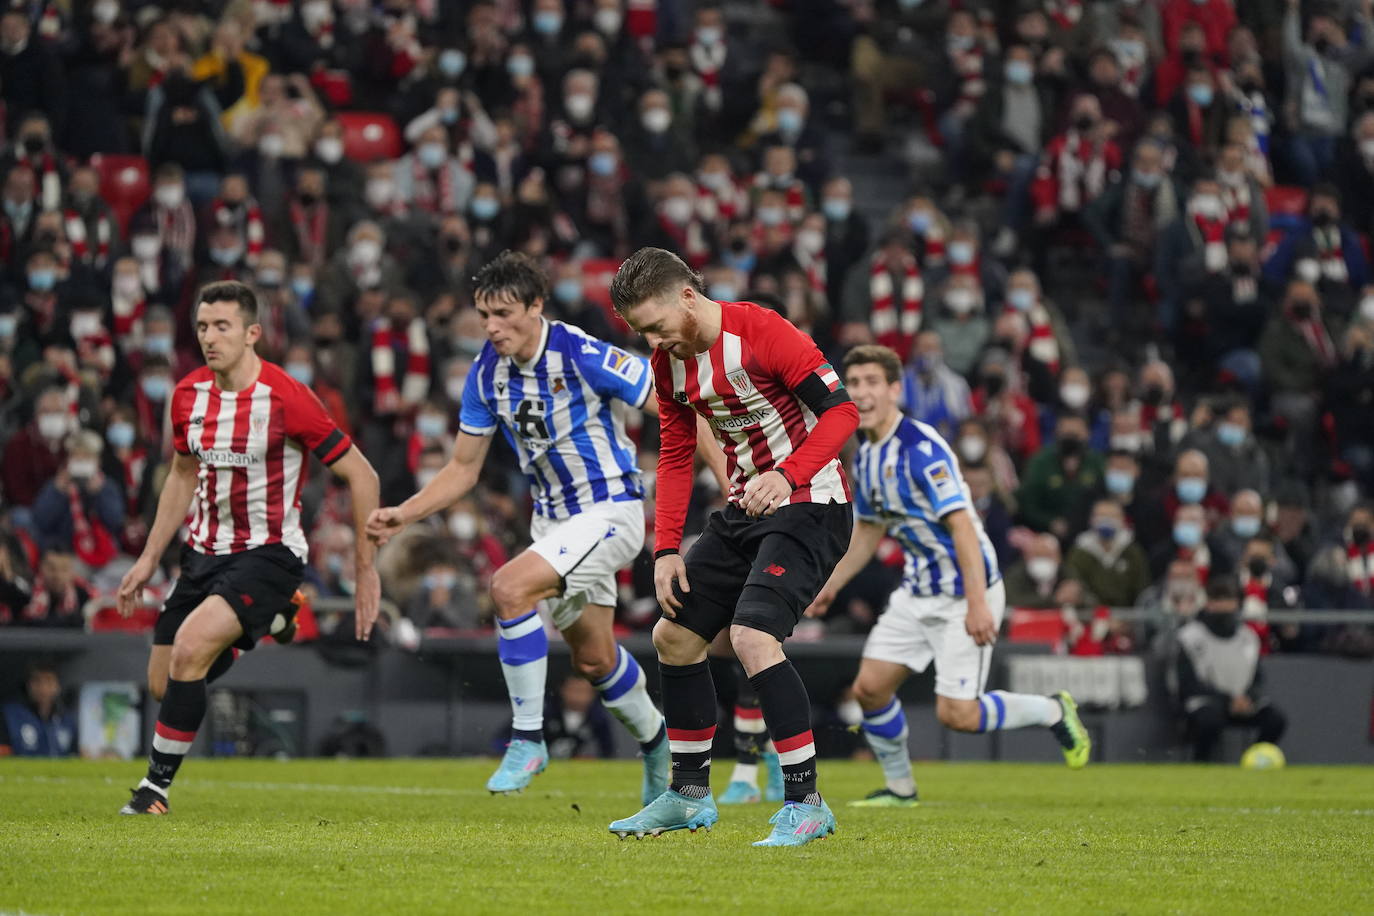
[[409, 836]]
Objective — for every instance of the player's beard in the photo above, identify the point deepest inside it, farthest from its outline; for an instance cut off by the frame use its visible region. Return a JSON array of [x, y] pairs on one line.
[[691, 333]]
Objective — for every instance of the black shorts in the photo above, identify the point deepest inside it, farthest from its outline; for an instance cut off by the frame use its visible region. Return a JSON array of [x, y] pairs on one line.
[[257, 583], [761, 572]]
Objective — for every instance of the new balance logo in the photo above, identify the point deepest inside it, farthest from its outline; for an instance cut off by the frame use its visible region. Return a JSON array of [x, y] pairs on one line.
[[774, 570], [247, 600], [196, 421], [680, 397]]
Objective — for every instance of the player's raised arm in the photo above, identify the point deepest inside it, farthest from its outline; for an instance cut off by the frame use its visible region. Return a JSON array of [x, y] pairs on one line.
[[451, 484], [863, 543], [172, 506], [363, 486]]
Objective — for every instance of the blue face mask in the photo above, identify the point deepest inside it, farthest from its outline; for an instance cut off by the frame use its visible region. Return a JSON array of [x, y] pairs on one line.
[[722, 292], [226, 257], [158, 345], [452, 63], [1021, 299], [770, 216], [836, 209], [1190, 489], [449, 116], [1230, 434], [432, 155], [155, 387], [789, 121], [1019, 73], [568, 291], [1106, 530], [744, 261], [8, 325], [1187, 534], [484, 208], [919, 221], [602, 164], [708, 35], [42, 279], [121, 435], [520, 65], [1200, 94], [547, 22], [302, 287], [1119, 483], [1245, 526], [301, 372], [430, 426], [1147, 180]]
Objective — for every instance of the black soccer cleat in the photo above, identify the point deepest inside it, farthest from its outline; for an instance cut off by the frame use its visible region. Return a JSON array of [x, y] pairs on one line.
[[146, 800], [285, 632]]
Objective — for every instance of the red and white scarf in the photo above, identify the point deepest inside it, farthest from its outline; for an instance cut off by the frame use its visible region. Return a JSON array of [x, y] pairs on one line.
[[246, 220], [91, 543], [311, 229], [414, 343], [67, 604], [433, 190], [814, 265], [1043, 346], [1330, 257], [1200, 557], [1212, 233], [895, 326], [128, 318], [1254, 603], [690, 241], [47, 179], [795, 191], [1314, 332], [707, 62], [1065, 13], [1236, 197], [968, 67], [724, 206], [1081, 170], [1359, 566], [81, 243]]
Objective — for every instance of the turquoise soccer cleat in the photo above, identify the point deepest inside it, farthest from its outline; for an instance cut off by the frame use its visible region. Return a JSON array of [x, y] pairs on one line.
[[670, 811], [740, 792], [658, 769], [772, 789], [523, 761], [798, 823]]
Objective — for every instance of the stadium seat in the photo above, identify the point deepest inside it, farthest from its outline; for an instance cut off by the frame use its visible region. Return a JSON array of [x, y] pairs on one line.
[[1033, 626], [370, 136], [1285, 200], [597, 274], [104, 618], [123, 183]]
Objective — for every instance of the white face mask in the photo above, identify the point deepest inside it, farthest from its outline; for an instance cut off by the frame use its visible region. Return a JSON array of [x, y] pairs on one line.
[[105, 11], [1207, 205], [1367, 148], [86, 325], [82, 468], [272, 145], [1075, 394], [1308, 270], [973, 448], [678, 210], [365, 251], [454, 387], [1367, 308], [146, 247], [127, 286], [810, 241], [53, 425], [656, 120], [463, 525], [329, 149], [1042, 569], [579, 106], [961, 301], [170, 196], [379, 192], [424, 476], [606, 20]]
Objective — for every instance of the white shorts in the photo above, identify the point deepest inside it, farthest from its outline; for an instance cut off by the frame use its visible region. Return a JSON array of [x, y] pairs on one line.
[[914, 631], [587, 551]]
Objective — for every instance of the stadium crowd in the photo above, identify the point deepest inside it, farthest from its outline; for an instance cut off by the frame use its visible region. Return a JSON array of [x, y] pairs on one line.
[[1122, 249]]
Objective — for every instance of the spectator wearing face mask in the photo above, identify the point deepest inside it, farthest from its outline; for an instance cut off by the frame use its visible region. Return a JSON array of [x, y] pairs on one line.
[[1235, 460], [31, 75], [430, 179], [1060, 479], [1033, 581], [182, 127], [846, 235], [34, 454], [1076, 166], [1189, 485], [655, 146], [678, 226], [1186, 540], [1231, 307], [19, 212], [1324, 251], [81, 510], [961, 322], [978, 448], [363, 264], [1216, 673], [884, 303], [1106, 558], [931, 391], [33, 148], [1192, 250], [1245, 522], [1320, 65], [1001, 400], [1298, 355], [1172, 601], [1072, 395], [446, 596]]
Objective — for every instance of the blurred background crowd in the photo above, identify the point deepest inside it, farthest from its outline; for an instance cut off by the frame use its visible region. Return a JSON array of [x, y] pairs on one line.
[[1121, 247]]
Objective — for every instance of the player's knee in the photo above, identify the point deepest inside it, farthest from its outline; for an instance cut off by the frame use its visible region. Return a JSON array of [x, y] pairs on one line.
[[870, 696], [959, 715], [677, 645], [507, 594], [190, 658], [594, 666], [755, 649]]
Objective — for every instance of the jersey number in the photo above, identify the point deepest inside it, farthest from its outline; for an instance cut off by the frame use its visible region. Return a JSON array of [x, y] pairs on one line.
[[529, 417]]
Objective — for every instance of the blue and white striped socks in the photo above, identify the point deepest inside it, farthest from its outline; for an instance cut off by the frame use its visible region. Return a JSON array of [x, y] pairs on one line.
[[524, 651], [886, 732], [1000, 710], [623, 693]]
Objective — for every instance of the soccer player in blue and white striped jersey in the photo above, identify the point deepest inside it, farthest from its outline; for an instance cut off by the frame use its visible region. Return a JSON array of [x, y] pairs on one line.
[[551, 390], [950, 604]]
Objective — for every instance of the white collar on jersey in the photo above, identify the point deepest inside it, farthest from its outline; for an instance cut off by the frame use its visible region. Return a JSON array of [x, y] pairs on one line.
[[543, 345], [891, 430]]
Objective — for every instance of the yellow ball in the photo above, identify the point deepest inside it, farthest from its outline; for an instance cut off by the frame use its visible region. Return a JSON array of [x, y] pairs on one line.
[[1263, 756]]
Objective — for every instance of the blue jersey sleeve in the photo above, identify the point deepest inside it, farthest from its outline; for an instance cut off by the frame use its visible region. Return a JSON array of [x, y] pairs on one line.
[[612, 372], [933, 471], [476, 418]]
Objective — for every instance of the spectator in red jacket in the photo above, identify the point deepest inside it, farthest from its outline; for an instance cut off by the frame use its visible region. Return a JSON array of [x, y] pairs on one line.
[[35, 453]]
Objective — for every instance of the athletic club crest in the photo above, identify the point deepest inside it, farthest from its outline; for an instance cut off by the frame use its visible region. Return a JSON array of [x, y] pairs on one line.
[[258, 425], [740, 381]]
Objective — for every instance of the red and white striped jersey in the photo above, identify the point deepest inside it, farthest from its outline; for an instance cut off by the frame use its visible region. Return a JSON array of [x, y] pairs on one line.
[[251, 445], [761, 386]]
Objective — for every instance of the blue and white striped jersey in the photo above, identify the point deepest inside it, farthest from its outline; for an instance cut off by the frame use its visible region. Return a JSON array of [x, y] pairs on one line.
[[556, 414], [909, 480]]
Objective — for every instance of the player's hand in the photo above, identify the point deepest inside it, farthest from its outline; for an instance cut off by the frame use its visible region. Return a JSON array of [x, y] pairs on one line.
[[384, 524], [668, 569], [130, 593], [1242, 705], [821, 603], [765, 493], [368, 595], [980, 625]]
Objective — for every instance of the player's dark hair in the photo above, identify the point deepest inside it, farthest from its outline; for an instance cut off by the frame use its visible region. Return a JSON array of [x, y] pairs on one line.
[[230, 291], [875, 354], [648, 274], [513, 274]]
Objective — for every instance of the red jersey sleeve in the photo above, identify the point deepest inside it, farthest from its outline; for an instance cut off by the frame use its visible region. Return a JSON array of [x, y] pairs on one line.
[[677, 447], [183, 399], [790, 355], [308, 423]]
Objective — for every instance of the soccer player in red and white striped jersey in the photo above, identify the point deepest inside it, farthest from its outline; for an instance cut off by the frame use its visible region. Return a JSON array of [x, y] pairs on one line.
[[781, 414], [242, 429]]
